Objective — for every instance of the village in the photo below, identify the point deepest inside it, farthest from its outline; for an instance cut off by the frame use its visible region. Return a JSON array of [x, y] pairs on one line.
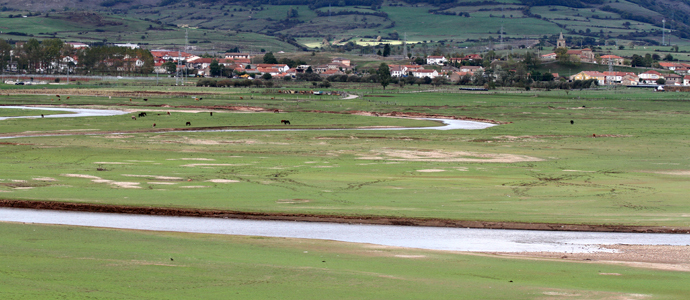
[[443, 69]]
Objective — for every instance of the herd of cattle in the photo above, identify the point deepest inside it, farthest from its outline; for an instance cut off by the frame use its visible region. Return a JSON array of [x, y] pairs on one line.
[[144, 114]]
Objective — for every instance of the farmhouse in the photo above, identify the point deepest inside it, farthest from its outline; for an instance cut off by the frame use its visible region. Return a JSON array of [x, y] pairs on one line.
[[616, 77], [585, 55], [471, 69], [550, 56], [615, 59], [650, 77], [236, 56], [472, 57], [587, 75], [168, 55], [673, 79], [76, 45], [435, 60], [341, 60], [630, 80], [425, 73]]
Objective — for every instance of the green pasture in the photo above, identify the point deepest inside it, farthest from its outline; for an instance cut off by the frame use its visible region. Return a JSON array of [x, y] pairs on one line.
[[538, 168], [53, 262]]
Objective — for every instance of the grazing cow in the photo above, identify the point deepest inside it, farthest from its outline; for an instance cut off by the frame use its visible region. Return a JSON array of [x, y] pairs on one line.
[[142, 114], [134, 118], [57, 96], [42, 116], [168, 113], [272, 98], [67, 98], [276, 111], [201, 99], [594, 135], [211, 113], [154, 125], [241, 98], [572, 122], [188, 124], [146, 99], [130, 99], [285, 122]]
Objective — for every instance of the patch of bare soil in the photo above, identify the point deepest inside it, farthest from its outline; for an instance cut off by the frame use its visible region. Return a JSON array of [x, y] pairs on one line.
[[660, 257], [446, 156], [409, 115], [347, 219]]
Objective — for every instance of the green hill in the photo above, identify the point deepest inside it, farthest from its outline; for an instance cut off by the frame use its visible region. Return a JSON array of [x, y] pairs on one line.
[[292, 24]]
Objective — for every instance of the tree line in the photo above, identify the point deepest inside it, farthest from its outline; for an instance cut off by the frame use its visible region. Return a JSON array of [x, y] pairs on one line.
[[50, 57]]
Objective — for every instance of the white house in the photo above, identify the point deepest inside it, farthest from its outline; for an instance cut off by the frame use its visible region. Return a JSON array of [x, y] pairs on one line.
[[435, 60], [128, 45], [425, 73], [650, 77]]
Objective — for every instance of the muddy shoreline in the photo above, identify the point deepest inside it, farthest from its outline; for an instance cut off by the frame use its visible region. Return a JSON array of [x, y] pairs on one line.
[[343, 219]]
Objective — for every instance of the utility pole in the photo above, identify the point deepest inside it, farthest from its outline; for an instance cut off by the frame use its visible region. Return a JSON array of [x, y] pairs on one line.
[[405, 46], [663, 32], [186, 47]]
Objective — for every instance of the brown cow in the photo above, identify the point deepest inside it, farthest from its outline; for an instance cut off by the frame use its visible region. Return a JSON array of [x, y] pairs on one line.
[[154, 125]]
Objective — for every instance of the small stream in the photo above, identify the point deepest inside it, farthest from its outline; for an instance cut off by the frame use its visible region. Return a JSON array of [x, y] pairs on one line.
[[434, 238]]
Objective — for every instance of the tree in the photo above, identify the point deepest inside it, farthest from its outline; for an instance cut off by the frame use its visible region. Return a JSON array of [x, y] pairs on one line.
[[5, 49], [531, 60], [637, 61], [215, 68], [269, 58], [660, 81], [267, 76], [386, 50], [668, 57], [309, 70], [170, 67], [384, 75], [562, 55], [292, 13]]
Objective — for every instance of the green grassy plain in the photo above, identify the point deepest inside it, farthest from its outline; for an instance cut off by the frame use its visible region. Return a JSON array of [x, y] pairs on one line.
[[538, 168], [57, 262]]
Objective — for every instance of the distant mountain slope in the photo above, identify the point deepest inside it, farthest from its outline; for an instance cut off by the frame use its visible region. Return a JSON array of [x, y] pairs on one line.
[[360, 21]]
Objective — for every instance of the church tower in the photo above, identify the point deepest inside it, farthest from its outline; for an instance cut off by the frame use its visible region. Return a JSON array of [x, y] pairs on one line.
[[561, 42]]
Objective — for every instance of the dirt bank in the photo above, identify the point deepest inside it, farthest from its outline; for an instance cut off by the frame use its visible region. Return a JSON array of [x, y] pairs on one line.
[[659, 257], [377, 220]]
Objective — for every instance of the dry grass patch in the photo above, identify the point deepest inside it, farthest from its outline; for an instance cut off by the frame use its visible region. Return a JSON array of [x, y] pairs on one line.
[[222, 180], [446, 156]]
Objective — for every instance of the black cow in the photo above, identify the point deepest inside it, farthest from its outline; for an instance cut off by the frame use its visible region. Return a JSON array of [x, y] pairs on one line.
[[142, 114], [188, 124], [285, 122], [572, 122]]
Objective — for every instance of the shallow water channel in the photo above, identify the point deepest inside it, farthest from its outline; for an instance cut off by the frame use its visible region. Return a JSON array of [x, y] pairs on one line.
[[434, 238]]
